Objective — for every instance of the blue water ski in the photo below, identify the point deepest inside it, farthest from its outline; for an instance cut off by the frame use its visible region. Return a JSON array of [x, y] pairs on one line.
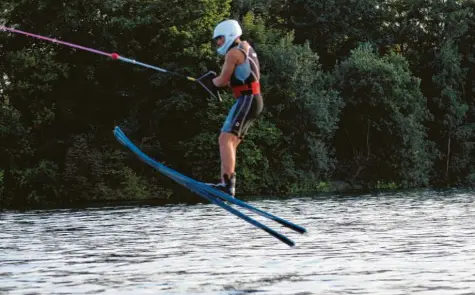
[[209, 193]]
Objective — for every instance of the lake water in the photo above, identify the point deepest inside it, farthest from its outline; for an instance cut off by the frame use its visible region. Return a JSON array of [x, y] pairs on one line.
[[400, 243]]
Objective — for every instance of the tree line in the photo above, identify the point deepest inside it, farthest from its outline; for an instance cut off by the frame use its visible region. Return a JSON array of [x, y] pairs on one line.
[[379, 94]]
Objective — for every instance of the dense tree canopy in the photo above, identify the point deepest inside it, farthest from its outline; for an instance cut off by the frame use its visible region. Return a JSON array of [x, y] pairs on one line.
[[374, 93]]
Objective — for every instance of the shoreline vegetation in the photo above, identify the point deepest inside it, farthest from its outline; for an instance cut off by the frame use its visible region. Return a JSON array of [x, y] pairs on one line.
[[342, 192], [333, 189], [359, 96]]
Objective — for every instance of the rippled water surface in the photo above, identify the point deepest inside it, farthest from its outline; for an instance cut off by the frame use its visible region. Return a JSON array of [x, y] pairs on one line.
[[406, 243]]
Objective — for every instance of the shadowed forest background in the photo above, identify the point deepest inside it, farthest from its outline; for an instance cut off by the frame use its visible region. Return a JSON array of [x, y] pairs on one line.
[[376, 94]]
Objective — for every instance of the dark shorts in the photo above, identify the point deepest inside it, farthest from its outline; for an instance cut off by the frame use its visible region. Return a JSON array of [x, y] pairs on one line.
[[244, 111]]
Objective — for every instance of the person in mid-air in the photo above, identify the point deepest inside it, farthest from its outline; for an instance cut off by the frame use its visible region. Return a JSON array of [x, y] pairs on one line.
[[241, 72]]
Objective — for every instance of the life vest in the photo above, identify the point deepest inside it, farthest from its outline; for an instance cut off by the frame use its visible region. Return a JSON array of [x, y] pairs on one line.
[[245, 78]]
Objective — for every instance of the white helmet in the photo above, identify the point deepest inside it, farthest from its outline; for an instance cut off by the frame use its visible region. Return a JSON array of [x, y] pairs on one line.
[[230, 30]]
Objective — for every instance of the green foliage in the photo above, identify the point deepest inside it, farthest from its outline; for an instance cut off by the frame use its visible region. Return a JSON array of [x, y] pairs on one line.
[[382, 121], [437, 39], [471, 179], [61, 92], [333, 28], [132, 186], [36, 185], [16, 147], [309, 184], [240, 8], [254, 167], [449, 107], [99, 173], [384, 186], [302, 106]]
